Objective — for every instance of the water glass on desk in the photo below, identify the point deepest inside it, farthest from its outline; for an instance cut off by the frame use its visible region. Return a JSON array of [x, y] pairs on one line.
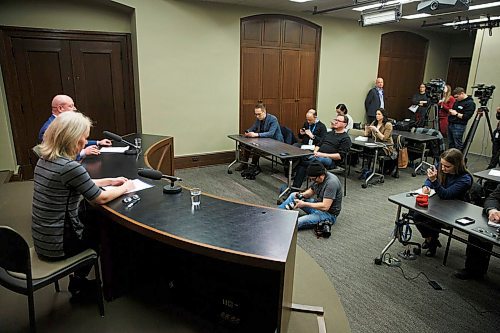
[[138, 143], [195, 196]]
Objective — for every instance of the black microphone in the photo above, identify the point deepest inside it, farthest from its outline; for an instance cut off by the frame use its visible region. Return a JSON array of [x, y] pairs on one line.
[[116, 137], [157, 175]]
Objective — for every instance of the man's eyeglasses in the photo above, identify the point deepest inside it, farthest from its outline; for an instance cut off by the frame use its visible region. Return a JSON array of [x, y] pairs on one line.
[[337, 121], [313, 179]]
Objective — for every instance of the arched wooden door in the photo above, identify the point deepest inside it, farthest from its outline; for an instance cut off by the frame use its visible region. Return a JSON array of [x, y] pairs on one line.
[[401, 65], [279, 67]]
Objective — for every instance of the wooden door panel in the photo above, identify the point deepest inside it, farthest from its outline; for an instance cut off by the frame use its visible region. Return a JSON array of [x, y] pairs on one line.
[[307, 74], [251, 32], [309, 38], [290, 60], [271, 74], [247, 116], [42, 73], [401, 65], [458, 72], [99, 85], [251, 65], [271, 34], [288, 116], [292, 32]]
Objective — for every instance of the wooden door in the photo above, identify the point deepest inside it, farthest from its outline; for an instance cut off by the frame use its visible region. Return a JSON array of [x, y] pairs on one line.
[[279, 67], [95, 69], [401, 65], [458, 72]]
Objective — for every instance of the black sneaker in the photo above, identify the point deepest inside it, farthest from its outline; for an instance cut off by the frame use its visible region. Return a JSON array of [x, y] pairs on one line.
[[464, 274], [82, 289]]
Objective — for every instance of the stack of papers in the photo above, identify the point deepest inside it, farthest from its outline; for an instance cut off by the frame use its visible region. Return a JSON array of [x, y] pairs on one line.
[[494, 172], [120, 150], [139, 185]]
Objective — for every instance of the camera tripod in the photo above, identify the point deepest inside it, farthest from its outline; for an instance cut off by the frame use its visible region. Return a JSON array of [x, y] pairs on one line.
[[483, 110]]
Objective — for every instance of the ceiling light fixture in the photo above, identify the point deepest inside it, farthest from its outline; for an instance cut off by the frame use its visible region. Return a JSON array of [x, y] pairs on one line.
[[300, 0], [416, 16], [485, 5], [483, 19], [387, 14], [382, 4]]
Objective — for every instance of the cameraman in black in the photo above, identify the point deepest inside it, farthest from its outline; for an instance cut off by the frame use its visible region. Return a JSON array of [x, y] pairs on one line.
[[495, 151], [322, 201], [462, 111]]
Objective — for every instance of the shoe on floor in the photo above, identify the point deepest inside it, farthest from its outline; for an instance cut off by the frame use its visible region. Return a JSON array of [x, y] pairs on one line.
[[82, 289], [464, 274]]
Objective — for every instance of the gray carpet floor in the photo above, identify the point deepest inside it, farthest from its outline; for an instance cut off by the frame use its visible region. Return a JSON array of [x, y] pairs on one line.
[[377, 298]]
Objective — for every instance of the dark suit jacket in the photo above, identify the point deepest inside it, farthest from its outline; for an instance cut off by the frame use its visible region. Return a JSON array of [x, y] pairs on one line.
[[271, 128], [493, 200], [372, 102]]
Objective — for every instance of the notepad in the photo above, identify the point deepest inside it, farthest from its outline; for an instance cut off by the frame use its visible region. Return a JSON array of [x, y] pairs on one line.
[[361, 138], [119, 150], [307, 147]]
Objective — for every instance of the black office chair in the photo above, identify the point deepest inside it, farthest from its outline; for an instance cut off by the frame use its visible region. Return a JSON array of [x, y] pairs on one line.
[[343, 170], [23, 272]]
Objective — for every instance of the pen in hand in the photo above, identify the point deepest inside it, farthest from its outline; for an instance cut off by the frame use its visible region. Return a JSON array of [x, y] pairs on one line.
[[133, 203]]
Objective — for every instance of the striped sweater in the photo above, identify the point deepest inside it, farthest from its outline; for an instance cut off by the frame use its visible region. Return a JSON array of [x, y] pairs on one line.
[[58, 184]]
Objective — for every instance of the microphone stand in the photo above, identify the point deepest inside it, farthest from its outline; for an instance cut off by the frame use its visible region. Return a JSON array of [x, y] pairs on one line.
[[172, 189]]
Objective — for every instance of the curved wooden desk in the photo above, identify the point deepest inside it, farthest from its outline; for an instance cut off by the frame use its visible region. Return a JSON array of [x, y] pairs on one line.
[[250, 249]]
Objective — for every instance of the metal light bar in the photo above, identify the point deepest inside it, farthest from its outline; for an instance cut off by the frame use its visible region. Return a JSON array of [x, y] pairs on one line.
[[385, 15], [482, 19], [382, 4]]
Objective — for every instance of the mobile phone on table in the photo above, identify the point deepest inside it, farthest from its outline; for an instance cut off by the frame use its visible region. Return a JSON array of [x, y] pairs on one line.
[[465, 220]]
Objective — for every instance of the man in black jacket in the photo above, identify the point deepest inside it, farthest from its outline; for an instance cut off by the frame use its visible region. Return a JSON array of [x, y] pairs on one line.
[[374, 100], [477, 260], [462, 111], [313, 130]]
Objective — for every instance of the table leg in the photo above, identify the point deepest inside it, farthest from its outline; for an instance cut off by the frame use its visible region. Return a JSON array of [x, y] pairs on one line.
[[422, 159], [447, 247], [365, 184], [378, 261], [289, 179]]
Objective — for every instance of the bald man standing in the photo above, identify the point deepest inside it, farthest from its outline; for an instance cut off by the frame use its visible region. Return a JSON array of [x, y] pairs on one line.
[[374, 100], [63, 103]]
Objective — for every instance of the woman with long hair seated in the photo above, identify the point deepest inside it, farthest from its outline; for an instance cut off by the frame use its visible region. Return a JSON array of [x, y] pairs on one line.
[[451, 181], [381, 131], [59, 227]]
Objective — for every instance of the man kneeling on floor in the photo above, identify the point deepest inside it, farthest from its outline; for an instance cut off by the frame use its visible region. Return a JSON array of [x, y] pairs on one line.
[[322, 201]]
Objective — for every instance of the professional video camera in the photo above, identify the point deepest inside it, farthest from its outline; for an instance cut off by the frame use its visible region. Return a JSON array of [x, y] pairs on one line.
[[483, 93], [434, 90]]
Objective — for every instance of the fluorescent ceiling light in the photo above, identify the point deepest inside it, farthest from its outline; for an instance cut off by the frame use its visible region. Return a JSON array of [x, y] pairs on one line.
[[485, 5], [300, 0], [386, 15], [381, 4], [416, 16], [483, 19]]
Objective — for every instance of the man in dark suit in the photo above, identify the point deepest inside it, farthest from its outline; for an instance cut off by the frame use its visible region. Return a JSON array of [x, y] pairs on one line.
[[374, 100], [477, 260], [266, 126]]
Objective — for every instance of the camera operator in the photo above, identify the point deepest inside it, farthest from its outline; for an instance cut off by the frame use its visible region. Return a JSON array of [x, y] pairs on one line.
[[322, 201], [495, 151], [462, 111]]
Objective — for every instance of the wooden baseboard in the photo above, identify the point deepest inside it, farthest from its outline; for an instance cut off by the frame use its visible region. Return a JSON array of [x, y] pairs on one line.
[[198, 160]]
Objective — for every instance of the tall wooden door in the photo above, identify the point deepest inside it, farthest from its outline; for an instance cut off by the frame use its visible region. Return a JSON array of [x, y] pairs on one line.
[[401, 65], [279, 66], [94, 69], [458, 72]]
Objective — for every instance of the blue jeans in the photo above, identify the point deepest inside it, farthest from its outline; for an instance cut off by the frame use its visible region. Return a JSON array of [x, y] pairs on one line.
[[300, 171], [455, 136], [313, 215]]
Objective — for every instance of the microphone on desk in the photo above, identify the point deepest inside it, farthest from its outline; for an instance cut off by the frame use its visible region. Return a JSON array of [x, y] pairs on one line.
[[116, 137], [157, 175]]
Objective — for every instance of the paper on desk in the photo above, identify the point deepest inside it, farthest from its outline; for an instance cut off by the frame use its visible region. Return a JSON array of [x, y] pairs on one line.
[[361, 138], [495, 224], [307, 147], [371, 144], [139, 185], [114, 149], [413, 108], [494, 172], [420, 191]]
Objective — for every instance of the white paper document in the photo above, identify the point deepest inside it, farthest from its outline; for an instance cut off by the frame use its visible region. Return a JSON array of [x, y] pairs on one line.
[[494, 172], [495, 224], [307, 147], [361, 138], [413, 108], [119, 150], [139, 185], [419, 191]]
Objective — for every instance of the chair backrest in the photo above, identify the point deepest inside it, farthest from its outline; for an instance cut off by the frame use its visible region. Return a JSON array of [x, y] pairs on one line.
[[288, 136], [14, 251], [437, 148], [36, 150]]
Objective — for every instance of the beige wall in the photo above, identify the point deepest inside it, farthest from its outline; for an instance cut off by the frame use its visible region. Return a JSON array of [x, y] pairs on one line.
[[485, 69], [187, 63]]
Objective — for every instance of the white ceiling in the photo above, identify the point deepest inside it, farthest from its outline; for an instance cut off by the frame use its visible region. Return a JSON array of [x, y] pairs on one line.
[[281, 6]]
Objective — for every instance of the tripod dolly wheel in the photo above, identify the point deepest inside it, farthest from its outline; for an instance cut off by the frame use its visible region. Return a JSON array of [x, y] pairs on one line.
[[364, 185], [378, 261], [414, 174], [229, 172]]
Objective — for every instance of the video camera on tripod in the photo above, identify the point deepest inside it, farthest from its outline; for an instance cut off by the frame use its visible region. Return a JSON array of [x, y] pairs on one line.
[[483, 93], [434, 90]]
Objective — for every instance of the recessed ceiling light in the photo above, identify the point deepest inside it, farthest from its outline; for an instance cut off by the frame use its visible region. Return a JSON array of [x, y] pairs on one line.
[[416, 16], [300, 0], [380, 4]]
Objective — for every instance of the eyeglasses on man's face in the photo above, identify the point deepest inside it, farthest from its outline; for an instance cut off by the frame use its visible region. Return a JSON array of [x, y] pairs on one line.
[[337, 121]]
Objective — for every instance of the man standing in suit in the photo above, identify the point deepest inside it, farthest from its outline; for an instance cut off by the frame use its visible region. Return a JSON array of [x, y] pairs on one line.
[[374, 100], [265, 126]]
